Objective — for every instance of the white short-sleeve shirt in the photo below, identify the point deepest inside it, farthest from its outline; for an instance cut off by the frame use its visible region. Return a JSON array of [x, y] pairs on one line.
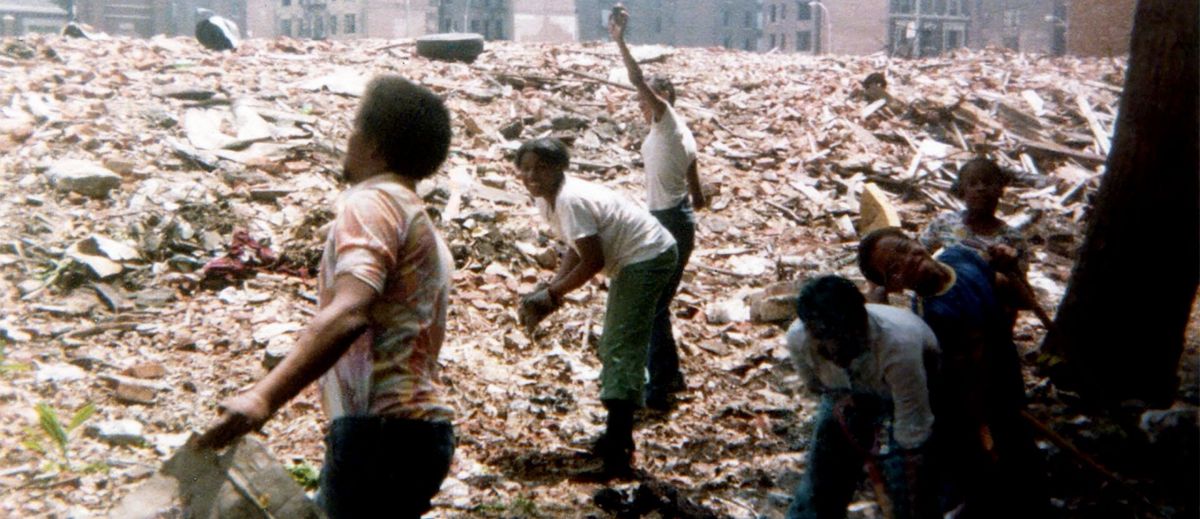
[[628, 233], [668, 150], [893, 367]]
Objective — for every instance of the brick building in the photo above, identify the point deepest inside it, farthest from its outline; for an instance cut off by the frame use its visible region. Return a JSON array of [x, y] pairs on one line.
[[1099, 27], [1021, 25], [19, 17], [733, 24]]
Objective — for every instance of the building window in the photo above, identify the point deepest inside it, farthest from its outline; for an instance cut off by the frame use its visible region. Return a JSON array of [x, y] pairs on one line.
[[804, 41], [782, 41], [287, 3], [749, 44], [728, 42], [474, 25], [285, 27], [748, 20], [499, 30], [1012, 19], [902, 6], [803, 10], [772, 11], [725, 17], [783, 11], [771, 39], [333, 24], [657, 24], [350, 27], [319, 27]]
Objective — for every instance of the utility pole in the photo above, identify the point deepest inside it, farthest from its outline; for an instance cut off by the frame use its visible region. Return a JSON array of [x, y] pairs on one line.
[[917, 23]]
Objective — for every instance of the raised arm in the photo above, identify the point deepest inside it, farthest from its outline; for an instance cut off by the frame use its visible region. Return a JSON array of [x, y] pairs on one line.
[[616, 28]]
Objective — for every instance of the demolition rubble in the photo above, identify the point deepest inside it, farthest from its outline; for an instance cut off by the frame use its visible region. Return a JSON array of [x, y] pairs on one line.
[[165, 206]]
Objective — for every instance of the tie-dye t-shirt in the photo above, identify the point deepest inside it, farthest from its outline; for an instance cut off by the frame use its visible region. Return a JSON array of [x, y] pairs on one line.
[[383, 237]]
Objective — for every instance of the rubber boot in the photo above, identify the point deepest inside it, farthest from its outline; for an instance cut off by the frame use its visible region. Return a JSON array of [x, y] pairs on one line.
[[615, 446]]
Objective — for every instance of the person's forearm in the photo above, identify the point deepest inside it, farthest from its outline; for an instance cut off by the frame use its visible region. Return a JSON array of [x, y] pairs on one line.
[[574, 279], [631, 65], [693, 180], [321, 344], [568, 263]]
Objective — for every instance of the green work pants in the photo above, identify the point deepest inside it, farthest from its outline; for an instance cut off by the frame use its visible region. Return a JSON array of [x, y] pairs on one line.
[[628, 322]]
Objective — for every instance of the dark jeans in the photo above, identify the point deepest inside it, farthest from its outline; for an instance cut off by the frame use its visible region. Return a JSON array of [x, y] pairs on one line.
[[663, 356], [836, 457], [383, 467]]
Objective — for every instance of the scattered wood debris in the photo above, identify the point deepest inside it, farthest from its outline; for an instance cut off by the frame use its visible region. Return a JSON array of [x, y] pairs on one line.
[[187, 158]]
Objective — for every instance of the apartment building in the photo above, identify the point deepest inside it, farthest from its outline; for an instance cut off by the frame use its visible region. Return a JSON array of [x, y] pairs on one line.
[[1099, 27], [491, 18], [30, 16], [1037, 26], [922, 28], [825, 27], [147, 18], [551, 21], [733, 24]]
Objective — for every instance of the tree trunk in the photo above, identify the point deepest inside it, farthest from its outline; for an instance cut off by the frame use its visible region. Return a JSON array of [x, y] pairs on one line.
[[1120, 328]]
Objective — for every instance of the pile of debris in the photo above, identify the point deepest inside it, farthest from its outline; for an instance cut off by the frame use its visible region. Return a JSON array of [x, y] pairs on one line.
[[166, 205]]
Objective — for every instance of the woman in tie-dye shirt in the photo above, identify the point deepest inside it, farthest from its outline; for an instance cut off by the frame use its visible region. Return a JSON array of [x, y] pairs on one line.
[[384, 284]]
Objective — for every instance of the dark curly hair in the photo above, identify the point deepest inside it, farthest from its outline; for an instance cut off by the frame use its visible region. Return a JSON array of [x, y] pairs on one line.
[[409, 123], [866, 252], [831, 306], [983, 168], [664, 85], [874, 78], [550, 150]]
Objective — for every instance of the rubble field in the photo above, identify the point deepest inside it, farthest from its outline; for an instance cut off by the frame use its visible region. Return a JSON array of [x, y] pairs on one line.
[[164, 213]]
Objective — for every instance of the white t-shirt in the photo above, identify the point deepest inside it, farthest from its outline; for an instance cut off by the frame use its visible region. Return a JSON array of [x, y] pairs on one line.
[[893, 367], [628, 233], [667, 152]]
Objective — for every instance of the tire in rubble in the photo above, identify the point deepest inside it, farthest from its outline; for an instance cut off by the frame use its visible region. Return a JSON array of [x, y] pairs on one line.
[[454, 46]]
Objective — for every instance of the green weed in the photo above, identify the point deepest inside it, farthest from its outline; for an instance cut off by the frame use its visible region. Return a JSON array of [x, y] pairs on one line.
[[52, 439]]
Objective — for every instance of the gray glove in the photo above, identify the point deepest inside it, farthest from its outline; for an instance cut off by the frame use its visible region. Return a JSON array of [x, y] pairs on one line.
[[535, 307]]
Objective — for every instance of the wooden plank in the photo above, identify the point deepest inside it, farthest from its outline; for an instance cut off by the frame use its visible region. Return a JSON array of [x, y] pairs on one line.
[[1057, 149], [1103, 140]]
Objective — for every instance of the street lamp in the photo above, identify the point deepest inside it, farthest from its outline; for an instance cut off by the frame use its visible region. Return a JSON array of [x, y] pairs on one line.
[[828, 21]]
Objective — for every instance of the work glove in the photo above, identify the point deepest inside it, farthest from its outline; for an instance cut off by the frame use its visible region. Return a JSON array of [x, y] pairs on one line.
[[535, 307]]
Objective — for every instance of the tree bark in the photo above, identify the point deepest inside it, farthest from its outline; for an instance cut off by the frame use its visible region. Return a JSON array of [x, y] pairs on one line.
[[1120, 328]]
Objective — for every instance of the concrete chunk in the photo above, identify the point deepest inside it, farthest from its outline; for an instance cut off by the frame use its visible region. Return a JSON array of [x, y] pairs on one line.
[[875, 211], [84, 177]]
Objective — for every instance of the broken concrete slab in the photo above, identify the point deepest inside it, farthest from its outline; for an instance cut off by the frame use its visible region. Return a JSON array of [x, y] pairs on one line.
[[84, 177], [244, 482]]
